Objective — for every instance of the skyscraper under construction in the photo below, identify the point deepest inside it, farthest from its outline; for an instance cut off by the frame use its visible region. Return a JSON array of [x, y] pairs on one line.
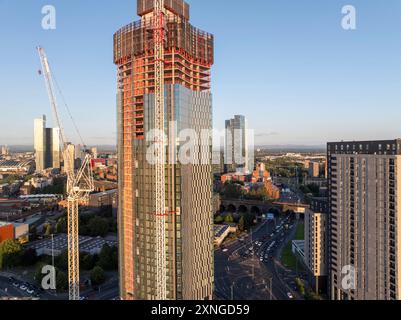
[[187, 60]]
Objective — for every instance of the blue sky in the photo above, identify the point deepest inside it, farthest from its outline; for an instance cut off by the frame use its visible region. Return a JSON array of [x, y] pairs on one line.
[[285, 64]]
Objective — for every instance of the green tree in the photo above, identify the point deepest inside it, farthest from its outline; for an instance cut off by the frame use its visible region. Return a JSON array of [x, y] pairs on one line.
[[249, 220], [10, 251], [48, 230], [229, 218], [241, 224], [232, 190], [61, 262], [108, 258], [29, 257], [61, 226], [98, 227], [88, 262], [97, 276], [218, 219], [38, 272], [61, 281]]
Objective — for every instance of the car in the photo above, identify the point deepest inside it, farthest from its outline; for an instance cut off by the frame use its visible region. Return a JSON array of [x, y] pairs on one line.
[[261, 259], [30, 291], [225, 250], [16, 284], [23, 287], [289, 295]]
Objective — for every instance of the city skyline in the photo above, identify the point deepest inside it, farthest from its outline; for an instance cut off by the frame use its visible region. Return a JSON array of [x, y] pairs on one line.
[[200, 150], [304, 63]]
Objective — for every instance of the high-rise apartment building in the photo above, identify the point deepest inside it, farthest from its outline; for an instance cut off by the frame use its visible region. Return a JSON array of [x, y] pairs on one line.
[[5, 150], [94, 152], [237, 153], [365, 234], [39, 128], [314, 169], [69, 157], [316, 243], [46, 145], [188, 57]]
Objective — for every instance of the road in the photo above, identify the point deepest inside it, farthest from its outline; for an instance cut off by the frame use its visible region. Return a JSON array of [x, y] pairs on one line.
[[12, 289], [242, 274]]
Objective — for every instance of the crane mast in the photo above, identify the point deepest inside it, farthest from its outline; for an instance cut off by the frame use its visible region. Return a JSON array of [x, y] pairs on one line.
[[79, 185], [158, 40]]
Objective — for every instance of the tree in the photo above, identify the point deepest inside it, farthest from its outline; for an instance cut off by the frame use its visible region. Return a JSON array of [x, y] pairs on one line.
[[38, 272], [48, 230], [241, 224], [88, 261], [61, 281], [218, 219], [97, 276], [232, 190], [108, 258], [61, 226], [29, 257], [10, 251], [61, 261], [229, 218], [249, 220], [98, 227]]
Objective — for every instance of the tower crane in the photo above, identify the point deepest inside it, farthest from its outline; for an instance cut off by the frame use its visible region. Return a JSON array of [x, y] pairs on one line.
[[158, 122], [79, 184]]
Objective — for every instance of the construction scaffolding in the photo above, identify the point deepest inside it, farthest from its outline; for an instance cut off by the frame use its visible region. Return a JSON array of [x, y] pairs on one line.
[[136, 39], [178, 7]]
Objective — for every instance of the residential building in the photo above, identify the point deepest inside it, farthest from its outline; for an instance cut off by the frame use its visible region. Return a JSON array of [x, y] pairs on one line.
[[94, 152], [316, 243], [69, 157], [46, 145], [314, 169], [237, 152], [188, 59], [364, 194], [5, 150]]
